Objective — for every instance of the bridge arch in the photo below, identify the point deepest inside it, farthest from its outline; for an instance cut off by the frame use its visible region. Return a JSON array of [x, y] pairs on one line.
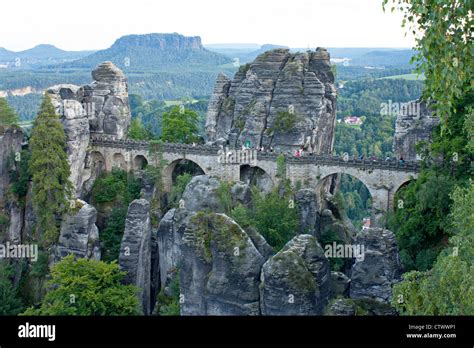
[[255, 175], [403, 183], [380, 196], [97, 161], [170, 171], [118, 160], [139, 162]]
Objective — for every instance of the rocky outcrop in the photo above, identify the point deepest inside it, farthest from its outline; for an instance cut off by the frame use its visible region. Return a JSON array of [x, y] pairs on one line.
[[201, 194], [308, 210], [100, 107], [341, 307], [374, 274], [414, 124], [296, 280], [282, 100], [339, 284], [241, 193], [107, 97], [78, 234], [220, 268], [260, 243], [169, 239], [350, 307], [135, 251], [76, 127]]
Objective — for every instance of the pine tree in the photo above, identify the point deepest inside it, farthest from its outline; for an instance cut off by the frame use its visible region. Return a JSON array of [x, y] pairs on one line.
[[7, 114], [50, 171]]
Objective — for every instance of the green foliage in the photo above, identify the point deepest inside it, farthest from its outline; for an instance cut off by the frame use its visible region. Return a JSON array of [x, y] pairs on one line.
[[118, 185], [420, 220], [178, 188], [443, 31], [4, 222], [357, 200], [26, 106], [118, 188], [7, 114], [244, 68], [87, 287], [138, 131], [180, 125], [225, 196], [241, 215], [284, 121], [10, 304], [50, 171], [328, 238], [373, 138], [364, 98], [273, 217], [155, 172], [281, 166], [111, 236], [20, 176], [448, 288], [40, 268], [169, 305]]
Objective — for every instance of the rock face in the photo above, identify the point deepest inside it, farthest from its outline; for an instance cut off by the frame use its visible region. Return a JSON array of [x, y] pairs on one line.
[[414, 123], [339, 284], [78, 234], [220, 268], [169, 239], [296, 280], [341, 307], [200, 194], [308, 210], [76, 126], [374, 274], [108, 100], [101, 107], [281, 99], [135, 251]]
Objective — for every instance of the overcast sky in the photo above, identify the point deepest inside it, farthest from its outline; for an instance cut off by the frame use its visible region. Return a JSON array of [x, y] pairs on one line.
[[96, 24]]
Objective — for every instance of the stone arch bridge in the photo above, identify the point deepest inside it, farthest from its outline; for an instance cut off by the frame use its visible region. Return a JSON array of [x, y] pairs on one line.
[[382, 179]]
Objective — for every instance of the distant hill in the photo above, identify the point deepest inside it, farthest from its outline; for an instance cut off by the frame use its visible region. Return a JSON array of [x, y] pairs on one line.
[[243, 52], [355, 52], [155, 52], [38, 56], [385, 58]]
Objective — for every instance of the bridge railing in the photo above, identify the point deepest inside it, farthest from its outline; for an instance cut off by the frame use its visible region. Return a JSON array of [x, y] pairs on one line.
[[104, 140]]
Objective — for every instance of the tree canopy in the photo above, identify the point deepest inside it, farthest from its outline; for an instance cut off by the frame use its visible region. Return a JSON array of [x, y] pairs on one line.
[[180, 125], [7, 114], [50, 171], [87, 287]]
